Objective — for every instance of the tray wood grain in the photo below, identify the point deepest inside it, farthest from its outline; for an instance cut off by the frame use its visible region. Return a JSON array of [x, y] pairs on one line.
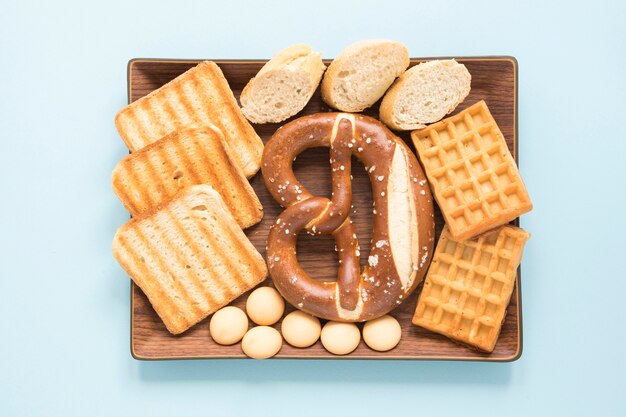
[[494, 79]]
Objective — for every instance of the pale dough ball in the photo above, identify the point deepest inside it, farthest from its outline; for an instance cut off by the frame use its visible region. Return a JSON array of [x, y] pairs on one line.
[[261, 342], [265, 306], [300, 329], [340, 338], [228, 325], [382, 334]]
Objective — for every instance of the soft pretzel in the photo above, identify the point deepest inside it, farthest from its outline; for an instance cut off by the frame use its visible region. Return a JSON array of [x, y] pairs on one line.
[[403, 229]]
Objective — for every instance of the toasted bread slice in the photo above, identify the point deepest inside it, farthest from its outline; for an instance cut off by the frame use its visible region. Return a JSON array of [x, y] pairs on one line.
[[362, 72], [190, 257], [153, 175], [198, 96], [283, 86]]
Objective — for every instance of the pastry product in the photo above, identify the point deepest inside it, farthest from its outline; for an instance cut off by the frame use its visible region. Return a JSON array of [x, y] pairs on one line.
[[265, 306], [199, 96], [362, 72], [424, 94], [283, 86], [382, 334], [261, 342], [340, 338], [190, 257], [300, 329], [228, 325], [474, 177], [403, 229], [469, 286], [151, 176]]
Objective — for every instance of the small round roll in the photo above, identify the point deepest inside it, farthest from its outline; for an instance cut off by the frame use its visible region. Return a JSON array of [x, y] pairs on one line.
[[340, 338], [261, 342], [228, 325]]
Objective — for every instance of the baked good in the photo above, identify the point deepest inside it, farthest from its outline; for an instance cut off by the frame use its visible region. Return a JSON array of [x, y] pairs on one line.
[[261, 342], [362, 72], [228, 325], [300, 329], [382, 334], [199, 96], [151, 176], [265, 306], [473, 175], [340, 338], [469, 286], [190, 257], [283, 86], [402, 243], [425, 94]]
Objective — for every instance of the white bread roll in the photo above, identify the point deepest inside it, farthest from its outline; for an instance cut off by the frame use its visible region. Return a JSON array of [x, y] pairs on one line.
[[283, 86], [362, 72], [425, 94]]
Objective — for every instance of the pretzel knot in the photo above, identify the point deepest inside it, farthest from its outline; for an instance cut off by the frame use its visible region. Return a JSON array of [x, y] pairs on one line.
[[403, 227]]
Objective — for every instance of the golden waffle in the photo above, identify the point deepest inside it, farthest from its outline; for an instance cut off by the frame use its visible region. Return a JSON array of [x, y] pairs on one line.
[[199, 96], [469, 285], [150, 177], [190, 257], [471, 172]]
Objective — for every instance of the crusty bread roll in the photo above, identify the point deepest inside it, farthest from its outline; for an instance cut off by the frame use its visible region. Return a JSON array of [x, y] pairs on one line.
[[283, 86], [425, 94], [362, 72]]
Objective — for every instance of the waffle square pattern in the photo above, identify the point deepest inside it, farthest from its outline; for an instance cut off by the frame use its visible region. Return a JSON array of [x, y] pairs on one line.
[[469, 285], [474, 178]]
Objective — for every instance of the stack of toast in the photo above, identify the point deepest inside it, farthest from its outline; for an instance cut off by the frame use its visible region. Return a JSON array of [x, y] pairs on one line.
[[193, 150], [185, 186]]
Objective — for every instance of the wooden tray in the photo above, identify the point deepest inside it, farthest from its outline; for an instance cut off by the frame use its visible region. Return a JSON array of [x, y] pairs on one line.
[[494, 79]]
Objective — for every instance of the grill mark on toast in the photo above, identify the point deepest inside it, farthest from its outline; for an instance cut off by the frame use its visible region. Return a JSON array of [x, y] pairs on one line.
[[159, 111], [149, 123], [202, 258], [177, 303], [247, 135], [244, 209], [127, 126], [133, 182], [167, 308], [216, 247], [254, 268], [207, 110], [183, 158], [228, 99], [121, 188], [210, 175], [149, 164], [178, 227], [189, 304], [135, 143], [235, 241]]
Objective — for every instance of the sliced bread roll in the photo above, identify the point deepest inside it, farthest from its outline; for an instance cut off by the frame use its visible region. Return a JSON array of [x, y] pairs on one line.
[[283, 86], [425, 94], [362, 72]]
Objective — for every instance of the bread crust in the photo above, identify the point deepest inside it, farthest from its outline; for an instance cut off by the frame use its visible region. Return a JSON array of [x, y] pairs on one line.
[[331, 75], [297, 61], [387, 106]]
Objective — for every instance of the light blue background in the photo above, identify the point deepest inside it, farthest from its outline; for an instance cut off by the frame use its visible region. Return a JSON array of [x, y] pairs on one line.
[[64, 302]]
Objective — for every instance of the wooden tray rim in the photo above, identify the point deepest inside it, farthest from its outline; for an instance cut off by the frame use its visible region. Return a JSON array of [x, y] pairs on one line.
[[515, 356]]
